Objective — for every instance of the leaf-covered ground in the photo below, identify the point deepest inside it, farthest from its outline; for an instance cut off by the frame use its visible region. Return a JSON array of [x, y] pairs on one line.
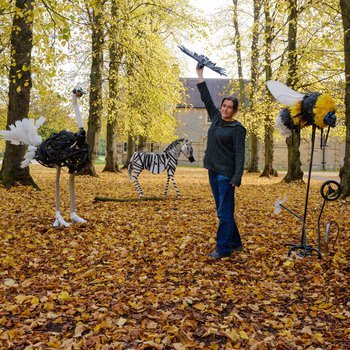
[[136, 276]]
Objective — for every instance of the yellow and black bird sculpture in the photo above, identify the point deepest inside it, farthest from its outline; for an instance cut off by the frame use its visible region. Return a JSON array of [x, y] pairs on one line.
[[303, 109]]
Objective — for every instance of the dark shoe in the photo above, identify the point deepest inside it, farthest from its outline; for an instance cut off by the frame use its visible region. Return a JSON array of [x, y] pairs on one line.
[[216, 255], [238, 248]]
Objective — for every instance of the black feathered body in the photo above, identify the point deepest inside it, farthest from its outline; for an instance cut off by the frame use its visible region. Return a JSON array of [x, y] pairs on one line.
[[64, 148]]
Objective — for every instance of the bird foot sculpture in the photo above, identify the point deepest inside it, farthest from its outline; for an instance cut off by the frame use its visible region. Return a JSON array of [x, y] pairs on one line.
[[76, 219], [60, 222]]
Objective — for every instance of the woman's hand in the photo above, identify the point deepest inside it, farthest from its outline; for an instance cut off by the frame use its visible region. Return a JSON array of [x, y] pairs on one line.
[[200, 73]]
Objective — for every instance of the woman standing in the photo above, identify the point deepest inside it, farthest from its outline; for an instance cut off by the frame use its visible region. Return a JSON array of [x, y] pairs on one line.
[[224, 159]]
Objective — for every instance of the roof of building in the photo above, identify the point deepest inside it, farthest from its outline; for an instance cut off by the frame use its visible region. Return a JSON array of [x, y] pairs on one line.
[[218, 89]]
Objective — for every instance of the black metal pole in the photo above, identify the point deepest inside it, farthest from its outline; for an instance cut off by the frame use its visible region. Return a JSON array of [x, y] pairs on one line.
[[319, 227], [303, 235]]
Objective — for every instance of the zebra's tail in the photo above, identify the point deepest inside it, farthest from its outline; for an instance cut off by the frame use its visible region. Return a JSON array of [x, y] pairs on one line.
[[130, 167], [24, 132]]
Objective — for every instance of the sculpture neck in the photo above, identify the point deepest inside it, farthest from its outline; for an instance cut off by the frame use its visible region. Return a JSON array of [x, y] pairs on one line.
[[77, 111]]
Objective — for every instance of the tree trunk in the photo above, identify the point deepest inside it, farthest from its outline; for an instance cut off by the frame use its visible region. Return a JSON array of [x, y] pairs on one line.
[[294, 165], [269, 148], [239, 59], [269, 123], [142, 143], [19, 92], [254, 158], [238, 47], [292, 79], [114, 56], [345, 169], [294, 172], [95, 103], [131, 149], [111, 148]]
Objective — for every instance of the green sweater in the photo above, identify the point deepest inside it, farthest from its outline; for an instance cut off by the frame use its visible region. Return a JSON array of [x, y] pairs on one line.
[[226, 142]]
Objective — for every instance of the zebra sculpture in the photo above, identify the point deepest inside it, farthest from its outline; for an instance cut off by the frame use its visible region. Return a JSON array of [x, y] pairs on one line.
[[158, 162]]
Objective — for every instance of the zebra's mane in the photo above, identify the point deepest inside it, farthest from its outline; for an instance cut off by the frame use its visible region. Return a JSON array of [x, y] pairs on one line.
[[174, 144]]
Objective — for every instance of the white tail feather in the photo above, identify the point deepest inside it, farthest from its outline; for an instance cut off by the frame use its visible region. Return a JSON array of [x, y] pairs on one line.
[[28, 157], [24, 132]]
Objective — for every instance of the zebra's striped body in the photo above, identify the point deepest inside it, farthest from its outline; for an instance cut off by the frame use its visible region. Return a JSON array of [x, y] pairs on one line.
[[158, 162]]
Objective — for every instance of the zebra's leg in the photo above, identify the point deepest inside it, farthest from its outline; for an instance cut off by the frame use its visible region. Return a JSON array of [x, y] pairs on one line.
[[167, 186], [59, 222], [135, 179], [73, 215], [175, 186]]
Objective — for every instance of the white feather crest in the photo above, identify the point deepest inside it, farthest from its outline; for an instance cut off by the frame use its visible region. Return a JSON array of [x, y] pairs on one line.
[[282, 93], [24, 132]]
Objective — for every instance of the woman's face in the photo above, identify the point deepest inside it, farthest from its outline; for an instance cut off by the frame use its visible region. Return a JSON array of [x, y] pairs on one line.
[[227, 110]]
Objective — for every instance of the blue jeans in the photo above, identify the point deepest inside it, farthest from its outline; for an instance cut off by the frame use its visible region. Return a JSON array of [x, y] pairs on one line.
[[224, 194]]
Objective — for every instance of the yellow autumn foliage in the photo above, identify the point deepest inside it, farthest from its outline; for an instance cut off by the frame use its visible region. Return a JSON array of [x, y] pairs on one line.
[[136, 275]]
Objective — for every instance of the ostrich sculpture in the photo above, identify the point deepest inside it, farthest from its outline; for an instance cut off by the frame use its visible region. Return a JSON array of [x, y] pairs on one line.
[[64, 148]]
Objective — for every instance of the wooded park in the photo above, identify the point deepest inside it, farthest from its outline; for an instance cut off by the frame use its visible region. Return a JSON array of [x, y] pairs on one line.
[[135, 274]]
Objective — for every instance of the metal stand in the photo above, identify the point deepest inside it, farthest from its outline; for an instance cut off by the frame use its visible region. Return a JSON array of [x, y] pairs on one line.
[[302, 248], [330, 191]]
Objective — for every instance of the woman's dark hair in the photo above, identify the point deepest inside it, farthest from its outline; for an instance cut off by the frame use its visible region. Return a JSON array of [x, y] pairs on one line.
[[234, 101]]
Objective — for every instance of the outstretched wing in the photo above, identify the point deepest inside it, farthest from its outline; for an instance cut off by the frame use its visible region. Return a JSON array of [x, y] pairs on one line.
[[203, 60], [283, 93]]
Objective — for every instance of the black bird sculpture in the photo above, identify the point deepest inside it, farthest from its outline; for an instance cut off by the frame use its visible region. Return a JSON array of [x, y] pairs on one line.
[[203, 61]]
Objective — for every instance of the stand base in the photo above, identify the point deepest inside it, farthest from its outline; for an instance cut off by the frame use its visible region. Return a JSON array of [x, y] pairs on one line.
[[304, 250]]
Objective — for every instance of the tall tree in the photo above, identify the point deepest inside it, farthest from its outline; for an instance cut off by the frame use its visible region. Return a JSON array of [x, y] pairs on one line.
[[96, 77], [238, 48], [254, 67], [112, 123], [115, 56], [269, 122], [294, 172], [19, 91], [146, 87], [345, 169], [149, 84], [241, 85]]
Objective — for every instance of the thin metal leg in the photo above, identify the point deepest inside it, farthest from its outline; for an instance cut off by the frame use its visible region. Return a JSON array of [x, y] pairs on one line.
[[73, 215], [59, 222]]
